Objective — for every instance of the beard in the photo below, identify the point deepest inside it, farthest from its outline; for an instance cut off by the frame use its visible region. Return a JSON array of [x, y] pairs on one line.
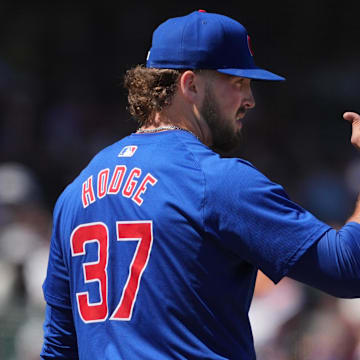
[[224, 137]]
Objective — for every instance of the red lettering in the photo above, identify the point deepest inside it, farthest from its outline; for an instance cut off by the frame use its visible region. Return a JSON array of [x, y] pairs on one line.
[[140, 231], [131, 183], [88, 196], [117, 179], [93, 271], [142, 188], [102, 182]]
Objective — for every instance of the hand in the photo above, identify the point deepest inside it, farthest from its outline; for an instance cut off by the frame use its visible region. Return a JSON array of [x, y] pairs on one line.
[[354, 119]]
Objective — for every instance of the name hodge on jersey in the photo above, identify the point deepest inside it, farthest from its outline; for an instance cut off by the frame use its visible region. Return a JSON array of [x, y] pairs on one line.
[[105, 187]]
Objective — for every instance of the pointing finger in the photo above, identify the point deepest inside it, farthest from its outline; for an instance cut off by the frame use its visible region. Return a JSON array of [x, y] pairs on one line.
[[351, 116], [354, 119]]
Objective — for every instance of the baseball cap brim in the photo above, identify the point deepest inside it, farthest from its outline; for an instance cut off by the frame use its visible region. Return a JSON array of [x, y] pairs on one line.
[[255, 74]]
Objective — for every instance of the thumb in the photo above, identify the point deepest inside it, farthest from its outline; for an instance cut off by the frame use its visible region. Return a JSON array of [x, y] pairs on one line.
[[354, 119]]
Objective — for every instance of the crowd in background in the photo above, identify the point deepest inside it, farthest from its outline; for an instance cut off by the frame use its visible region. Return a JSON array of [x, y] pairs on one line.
[[61, 101]]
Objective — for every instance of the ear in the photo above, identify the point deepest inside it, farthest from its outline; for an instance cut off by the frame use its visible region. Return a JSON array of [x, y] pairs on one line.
[[191, 86]]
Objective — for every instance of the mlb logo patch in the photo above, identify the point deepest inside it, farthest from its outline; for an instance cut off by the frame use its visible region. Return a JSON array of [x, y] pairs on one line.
[[128, 151]]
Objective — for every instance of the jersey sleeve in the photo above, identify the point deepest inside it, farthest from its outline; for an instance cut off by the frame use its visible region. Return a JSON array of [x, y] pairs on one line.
[[56, 286], [332, 264], [60, 340], [255, 218]]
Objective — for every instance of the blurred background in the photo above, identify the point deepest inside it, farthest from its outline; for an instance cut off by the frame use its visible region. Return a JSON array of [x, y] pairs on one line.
[[61, 101]]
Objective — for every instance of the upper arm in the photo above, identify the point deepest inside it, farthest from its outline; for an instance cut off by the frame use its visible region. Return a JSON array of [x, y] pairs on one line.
[[255, 218], [56, 286], [59, 334], [332, 264], [59, 330]]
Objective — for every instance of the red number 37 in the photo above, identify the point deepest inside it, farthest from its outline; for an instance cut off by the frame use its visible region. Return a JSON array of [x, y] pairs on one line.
[[96, 271]]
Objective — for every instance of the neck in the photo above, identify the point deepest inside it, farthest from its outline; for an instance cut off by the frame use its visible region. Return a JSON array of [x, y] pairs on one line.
[[163, 128], [175, 118]]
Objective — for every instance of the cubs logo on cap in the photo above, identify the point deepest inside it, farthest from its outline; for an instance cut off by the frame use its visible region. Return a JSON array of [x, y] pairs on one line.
[[249, 46]]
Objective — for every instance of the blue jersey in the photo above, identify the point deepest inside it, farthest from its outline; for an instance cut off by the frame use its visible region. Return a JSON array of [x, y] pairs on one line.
[[156, 245]]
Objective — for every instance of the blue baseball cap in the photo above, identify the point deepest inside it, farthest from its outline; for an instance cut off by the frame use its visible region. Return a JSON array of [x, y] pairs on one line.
[[203, 40]]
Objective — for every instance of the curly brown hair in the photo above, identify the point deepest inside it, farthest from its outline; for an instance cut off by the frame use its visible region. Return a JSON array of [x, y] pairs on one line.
[[149, 91]]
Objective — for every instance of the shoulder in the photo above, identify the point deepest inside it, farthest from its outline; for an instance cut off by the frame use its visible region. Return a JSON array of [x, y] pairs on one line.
[[223, 173], [69, 197], [237, 185]]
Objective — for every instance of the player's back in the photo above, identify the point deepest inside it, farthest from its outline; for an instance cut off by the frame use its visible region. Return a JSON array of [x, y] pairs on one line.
[[147, 280]]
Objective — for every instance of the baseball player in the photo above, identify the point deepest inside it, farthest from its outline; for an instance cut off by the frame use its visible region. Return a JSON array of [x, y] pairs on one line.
[[156, 244]]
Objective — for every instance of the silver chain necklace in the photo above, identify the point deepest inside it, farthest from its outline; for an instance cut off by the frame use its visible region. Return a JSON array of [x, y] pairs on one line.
[[163, 128]]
